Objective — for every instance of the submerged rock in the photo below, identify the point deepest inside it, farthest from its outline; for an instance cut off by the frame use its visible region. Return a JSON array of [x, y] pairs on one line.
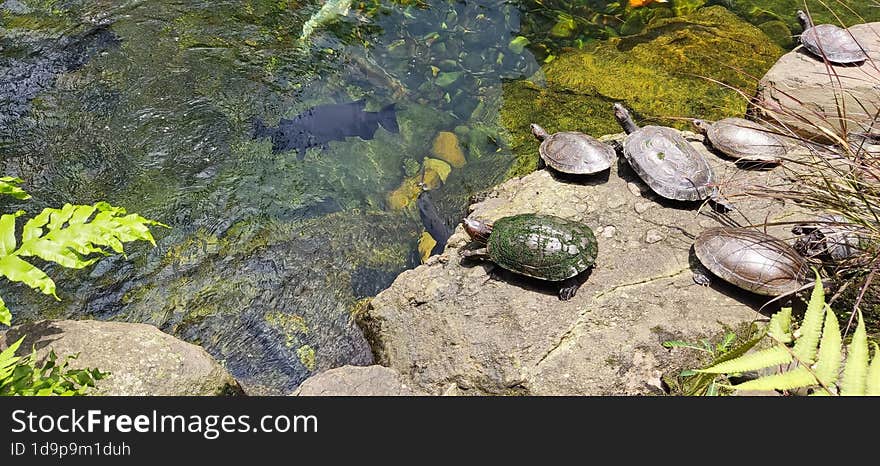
[[357, 381], [141, 360], [446, 148], [659, 73], [799, 91], [475, 329]]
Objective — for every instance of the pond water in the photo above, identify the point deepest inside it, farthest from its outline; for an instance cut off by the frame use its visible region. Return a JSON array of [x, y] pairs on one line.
[[151, 104]]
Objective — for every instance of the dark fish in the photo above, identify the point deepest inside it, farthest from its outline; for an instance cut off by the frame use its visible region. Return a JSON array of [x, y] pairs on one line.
[[435, 226], [324, 123]]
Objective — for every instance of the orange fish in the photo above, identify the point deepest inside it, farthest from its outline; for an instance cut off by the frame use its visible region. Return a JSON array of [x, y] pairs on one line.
[[638, 3]]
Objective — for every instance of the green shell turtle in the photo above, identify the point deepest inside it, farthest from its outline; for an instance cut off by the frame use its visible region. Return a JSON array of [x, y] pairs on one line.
[[546, 247]]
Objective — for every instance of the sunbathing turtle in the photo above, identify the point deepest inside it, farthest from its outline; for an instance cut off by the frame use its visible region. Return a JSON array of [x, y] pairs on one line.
[[540, 246], [666, 162], [744, 140], [751, 260], [572, 152], [830, 237], [830, 41]]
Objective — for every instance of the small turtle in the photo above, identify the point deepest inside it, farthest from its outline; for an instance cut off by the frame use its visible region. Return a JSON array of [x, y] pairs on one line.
[[751, 260], [667, 162], [572, 152], [540, 246], [830, 41], [744, 140], [830, 237]]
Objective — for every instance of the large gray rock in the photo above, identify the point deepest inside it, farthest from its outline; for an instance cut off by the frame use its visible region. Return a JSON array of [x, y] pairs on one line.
[[800, 91], [141, 359], [453, 327], [356, 381]]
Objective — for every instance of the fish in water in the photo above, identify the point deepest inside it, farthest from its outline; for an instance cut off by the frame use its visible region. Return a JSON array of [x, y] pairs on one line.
[[324, 123], [434, 225], [638, 3]]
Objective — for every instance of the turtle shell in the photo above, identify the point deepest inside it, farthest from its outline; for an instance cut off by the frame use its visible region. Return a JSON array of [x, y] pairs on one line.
[[836, 43], [542, 246], [745, 140], [576, 153], [668, 163], [751, 260]]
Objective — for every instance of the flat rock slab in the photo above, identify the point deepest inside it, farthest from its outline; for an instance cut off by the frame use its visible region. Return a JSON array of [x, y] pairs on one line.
[[804, 93], [357, 381], [141, 359], [471, 328]]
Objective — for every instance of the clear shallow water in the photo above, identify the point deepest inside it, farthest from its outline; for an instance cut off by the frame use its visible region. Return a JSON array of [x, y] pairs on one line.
[[149, 104]]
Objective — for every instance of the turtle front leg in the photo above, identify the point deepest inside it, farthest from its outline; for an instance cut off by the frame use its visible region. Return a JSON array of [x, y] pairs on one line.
[[701, 275], [478, 254], [569, 288]]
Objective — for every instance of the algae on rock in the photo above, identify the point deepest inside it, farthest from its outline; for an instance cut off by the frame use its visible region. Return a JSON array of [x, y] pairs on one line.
[[664, 73]]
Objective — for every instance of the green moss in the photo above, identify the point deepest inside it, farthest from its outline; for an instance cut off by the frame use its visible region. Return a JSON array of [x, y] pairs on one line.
[[306, 356], [665, 73]]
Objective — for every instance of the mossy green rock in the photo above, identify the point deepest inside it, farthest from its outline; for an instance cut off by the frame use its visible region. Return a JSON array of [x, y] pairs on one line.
[[663, 73]]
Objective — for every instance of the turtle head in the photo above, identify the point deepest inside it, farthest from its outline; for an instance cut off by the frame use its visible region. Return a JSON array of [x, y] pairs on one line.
[[805, 20], [478, 230], [539, 132], [701, 125], [625, 119]]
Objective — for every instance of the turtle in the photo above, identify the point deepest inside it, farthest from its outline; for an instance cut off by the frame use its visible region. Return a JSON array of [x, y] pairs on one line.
[[744, 140], [666, 162], [572, 152], [751, 260], [830, 236], [831, 42], [545, 247]]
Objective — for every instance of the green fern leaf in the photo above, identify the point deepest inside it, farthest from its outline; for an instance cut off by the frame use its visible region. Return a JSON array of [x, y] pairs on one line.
[[873, 383], [828, 364], [5, 315], [779, 327], [797, 378], [17, 270], [752, 361], [8, 242], [8, 359], [9, 185], [811, 326], [67, 237], [855, 371]]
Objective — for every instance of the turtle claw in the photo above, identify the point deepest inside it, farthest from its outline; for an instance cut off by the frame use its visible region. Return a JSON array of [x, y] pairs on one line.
[[569, 289]]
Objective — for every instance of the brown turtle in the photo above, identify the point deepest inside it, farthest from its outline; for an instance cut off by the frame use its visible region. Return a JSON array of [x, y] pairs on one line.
[[830, 41], [744, 140], [573, 152], [666, 162], [751, 260]]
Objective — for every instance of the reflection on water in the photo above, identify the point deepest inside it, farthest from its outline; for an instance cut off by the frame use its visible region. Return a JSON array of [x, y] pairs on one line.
[[151, 104]]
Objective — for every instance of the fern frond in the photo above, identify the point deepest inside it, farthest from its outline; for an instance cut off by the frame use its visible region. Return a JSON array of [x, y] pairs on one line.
[[17, 270], [779, 327], [66, 236], [9, 186], [811, 327], [5, 315], [855, 371], [828, 363], [8, 359], [751, 362], [797, 378], [872, 386]]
